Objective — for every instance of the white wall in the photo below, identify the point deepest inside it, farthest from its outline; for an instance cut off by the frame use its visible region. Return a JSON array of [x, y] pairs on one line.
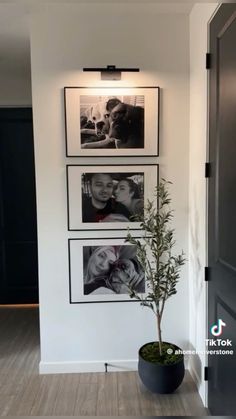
[[199, 18], [64, 39]]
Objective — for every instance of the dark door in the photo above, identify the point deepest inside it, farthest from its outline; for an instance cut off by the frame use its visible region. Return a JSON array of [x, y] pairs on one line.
[[18, 232], [222, 210]]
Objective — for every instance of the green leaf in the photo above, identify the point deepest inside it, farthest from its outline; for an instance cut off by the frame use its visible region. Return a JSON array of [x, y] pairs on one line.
[[155, 250]]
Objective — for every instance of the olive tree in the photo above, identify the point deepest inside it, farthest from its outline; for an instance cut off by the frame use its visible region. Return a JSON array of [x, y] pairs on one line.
[[155, 254]]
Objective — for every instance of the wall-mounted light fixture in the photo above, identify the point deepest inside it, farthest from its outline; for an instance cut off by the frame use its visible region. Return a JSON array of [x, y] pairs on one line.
[[110, 72]]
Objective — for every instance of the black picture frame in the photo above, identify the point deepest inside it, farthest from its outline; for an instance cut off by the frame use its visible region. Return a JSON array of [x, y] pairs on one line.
[[81, 253], [139, 180], [129, 130]]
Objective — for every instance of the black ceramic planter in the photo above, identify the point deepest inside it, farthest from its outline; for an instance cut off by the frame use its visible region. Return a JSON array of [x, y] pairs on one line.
[[160, 378]]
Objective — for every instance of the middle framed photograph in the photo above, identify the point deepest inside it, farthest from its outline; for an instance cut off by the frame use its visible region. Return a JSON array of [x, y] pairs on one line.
[[108, 197]]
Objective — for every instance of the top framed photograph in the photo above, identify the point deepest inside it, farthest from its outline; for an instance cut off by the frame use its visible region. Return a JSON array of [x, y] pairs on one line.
[[105, 121]]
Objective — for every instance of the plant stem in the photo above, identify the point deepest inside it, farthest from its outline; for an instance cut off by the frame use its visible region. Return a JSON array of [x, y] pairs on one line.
[[159, 332], [162, 308]]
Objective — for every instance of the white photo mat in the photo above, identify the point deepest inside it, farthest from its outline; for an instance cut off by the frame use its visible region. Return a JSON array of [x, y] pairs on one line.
[[77, 270], [75, 174], [72, 98]]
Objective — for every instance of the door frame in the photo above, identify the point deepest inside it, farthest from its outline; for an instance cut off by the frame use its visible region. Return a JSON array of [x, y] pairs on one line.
[[207, 194]]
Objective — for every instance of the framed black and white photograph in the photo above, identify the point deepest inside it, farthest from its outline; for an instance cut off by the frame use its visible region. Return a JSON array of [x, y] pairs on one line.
[[113, 122], [104, 270], [109, 197]]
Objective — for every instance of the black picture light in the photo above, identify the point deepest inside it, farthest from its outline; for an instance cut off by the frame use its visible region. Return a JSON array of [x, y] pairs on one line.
[[111, 72]]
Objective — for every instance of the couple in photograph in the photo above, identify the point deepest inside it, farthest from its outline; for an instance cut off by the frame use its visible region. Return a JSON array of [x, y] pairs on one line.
[[112, 270], [110, 201]]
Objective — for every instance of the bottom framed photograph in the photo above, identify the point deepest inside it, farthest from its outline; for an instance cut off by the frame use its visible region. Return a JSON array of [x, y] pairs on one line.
[[102, 270]]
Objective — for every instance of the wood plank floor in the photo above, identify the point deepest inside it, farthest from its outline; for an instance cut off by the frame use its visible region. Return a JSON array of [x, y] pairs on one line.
[[23, 392]]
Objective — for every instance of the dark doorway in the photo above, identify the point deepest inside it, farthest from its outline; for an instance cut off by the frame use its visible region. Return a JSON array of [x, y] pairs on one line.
[[222, 209], [18, 227]]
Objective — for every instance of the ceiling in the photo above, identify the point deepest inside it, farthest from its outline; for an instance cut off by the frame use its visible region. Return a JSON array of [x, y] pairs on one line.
[[14, 27], [14, 39]]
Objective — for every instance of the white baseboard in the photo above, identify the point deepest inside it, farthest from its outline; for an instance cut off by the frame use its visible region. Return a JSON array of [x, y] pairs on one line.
[[195, 377], [200, 386], [94, 366]]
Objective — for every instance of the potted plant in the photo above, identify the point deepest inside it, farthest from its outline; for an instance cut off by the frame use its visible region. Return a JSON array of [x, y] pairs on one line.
[[161, 364]]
